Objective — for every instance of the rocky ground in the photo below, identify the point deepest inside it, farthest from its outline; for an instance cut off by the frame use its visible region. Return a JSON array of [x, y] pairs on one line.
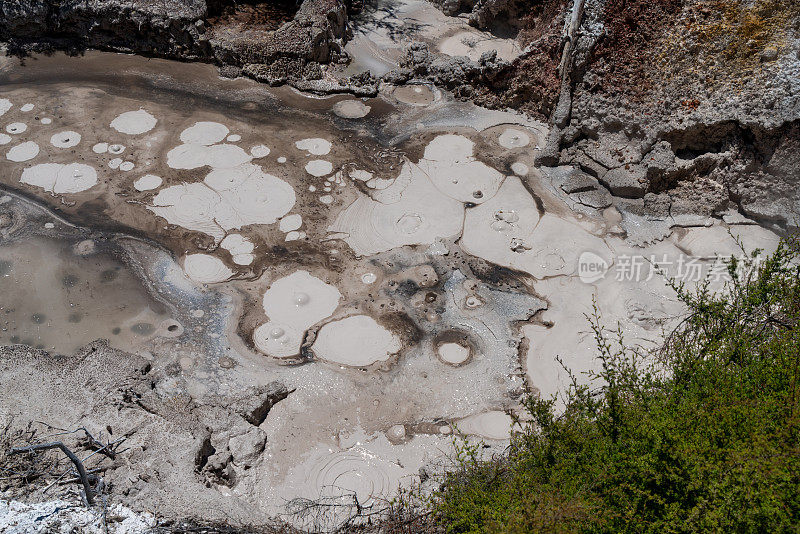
[[270, 40], [126, 406], [694, 106], [672, 128]]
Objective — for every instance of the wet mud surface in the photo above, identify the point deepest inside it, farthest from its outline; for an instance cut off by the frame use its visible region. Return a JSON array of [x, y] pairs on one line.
[[60, 300], [399, 264]]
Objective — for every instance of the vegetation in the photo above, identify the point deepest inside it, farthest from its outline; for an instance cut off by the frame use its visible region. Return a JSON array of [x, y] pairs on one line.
[[701, 437]]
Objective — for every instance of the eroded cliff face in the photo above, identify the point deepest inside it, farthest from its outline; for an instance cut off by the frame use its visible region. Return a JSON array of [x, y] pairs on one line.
[[276, 39], [696, 102]]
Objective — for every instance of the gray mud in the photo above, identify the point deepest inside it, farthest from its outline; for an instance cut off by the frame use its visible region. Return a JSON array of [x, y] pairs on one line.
[[244, 223], [330, 421]]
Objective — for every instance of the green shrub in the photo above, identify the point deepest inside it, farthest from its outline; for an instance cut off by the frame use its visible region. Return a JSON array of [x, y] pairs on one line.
[[703, 438]]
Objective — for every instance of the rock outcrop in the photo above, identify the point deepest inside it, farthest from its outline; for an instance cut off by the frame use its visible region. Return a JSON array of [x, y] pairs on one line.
[[695, 100], [232, 35]]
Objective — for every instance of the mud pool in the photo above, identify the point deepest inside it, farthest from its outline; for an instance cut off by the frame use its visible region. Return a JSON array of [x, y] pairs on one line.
[[399, 263], [58, 299]]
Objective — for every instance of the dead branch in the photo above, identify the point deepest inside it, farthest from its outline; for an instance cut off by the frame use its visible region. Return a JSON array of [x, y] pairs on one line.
[[91, 474], [69, 454], [89, 442]]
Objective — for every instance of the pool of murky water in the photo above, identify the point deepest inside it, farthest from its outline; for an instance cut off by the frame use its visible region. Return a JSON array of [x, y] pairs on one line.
[[61, 296]]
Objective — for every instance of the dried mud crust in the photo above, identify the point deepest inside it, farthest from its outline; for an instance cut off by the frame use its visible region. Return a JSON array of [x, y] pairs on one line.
[[175, 446]]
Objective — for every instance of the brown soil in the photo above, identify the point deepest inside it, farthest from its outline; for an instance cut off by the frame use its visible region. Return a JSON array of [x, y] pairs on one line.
[[623, 57], [531, 84], [267, 16], [650, 43]]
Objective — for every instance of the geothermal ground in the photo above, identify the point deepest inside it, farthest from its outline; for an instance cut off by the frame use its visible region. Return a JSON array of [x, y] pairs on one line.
[[267, 298]]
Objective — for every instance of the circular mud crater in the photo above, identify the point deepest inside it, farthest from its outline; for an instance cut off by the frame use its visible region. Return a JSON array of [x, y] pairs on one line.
[[351, 109], [415, 95], [355, 341], [454, 348]]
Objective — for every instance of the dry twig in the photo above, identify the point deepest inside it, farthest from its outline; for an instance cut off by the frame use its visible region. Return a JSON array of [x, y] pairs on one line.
[[69, 454]]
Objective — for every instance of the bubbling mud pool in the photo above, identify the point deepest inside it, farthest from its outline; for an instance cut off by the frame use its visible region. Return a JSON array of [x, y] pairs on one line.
[[399, 263]]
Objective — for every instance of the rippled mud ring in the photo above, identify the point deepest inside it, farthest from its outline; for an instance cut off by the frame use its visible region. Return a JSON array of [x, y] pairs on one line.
[[368, 344], [416, 94], [447, 340], [351, 471]]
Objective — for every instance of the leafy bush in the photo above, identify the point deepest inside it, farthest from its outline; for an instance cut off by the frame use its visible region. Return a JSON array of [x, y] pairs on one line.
[[701, 436]]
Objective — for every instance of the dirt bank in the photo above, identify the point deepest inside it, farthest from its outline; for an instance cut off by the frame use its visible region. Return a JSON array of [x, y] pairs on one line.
[[279, 41]]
